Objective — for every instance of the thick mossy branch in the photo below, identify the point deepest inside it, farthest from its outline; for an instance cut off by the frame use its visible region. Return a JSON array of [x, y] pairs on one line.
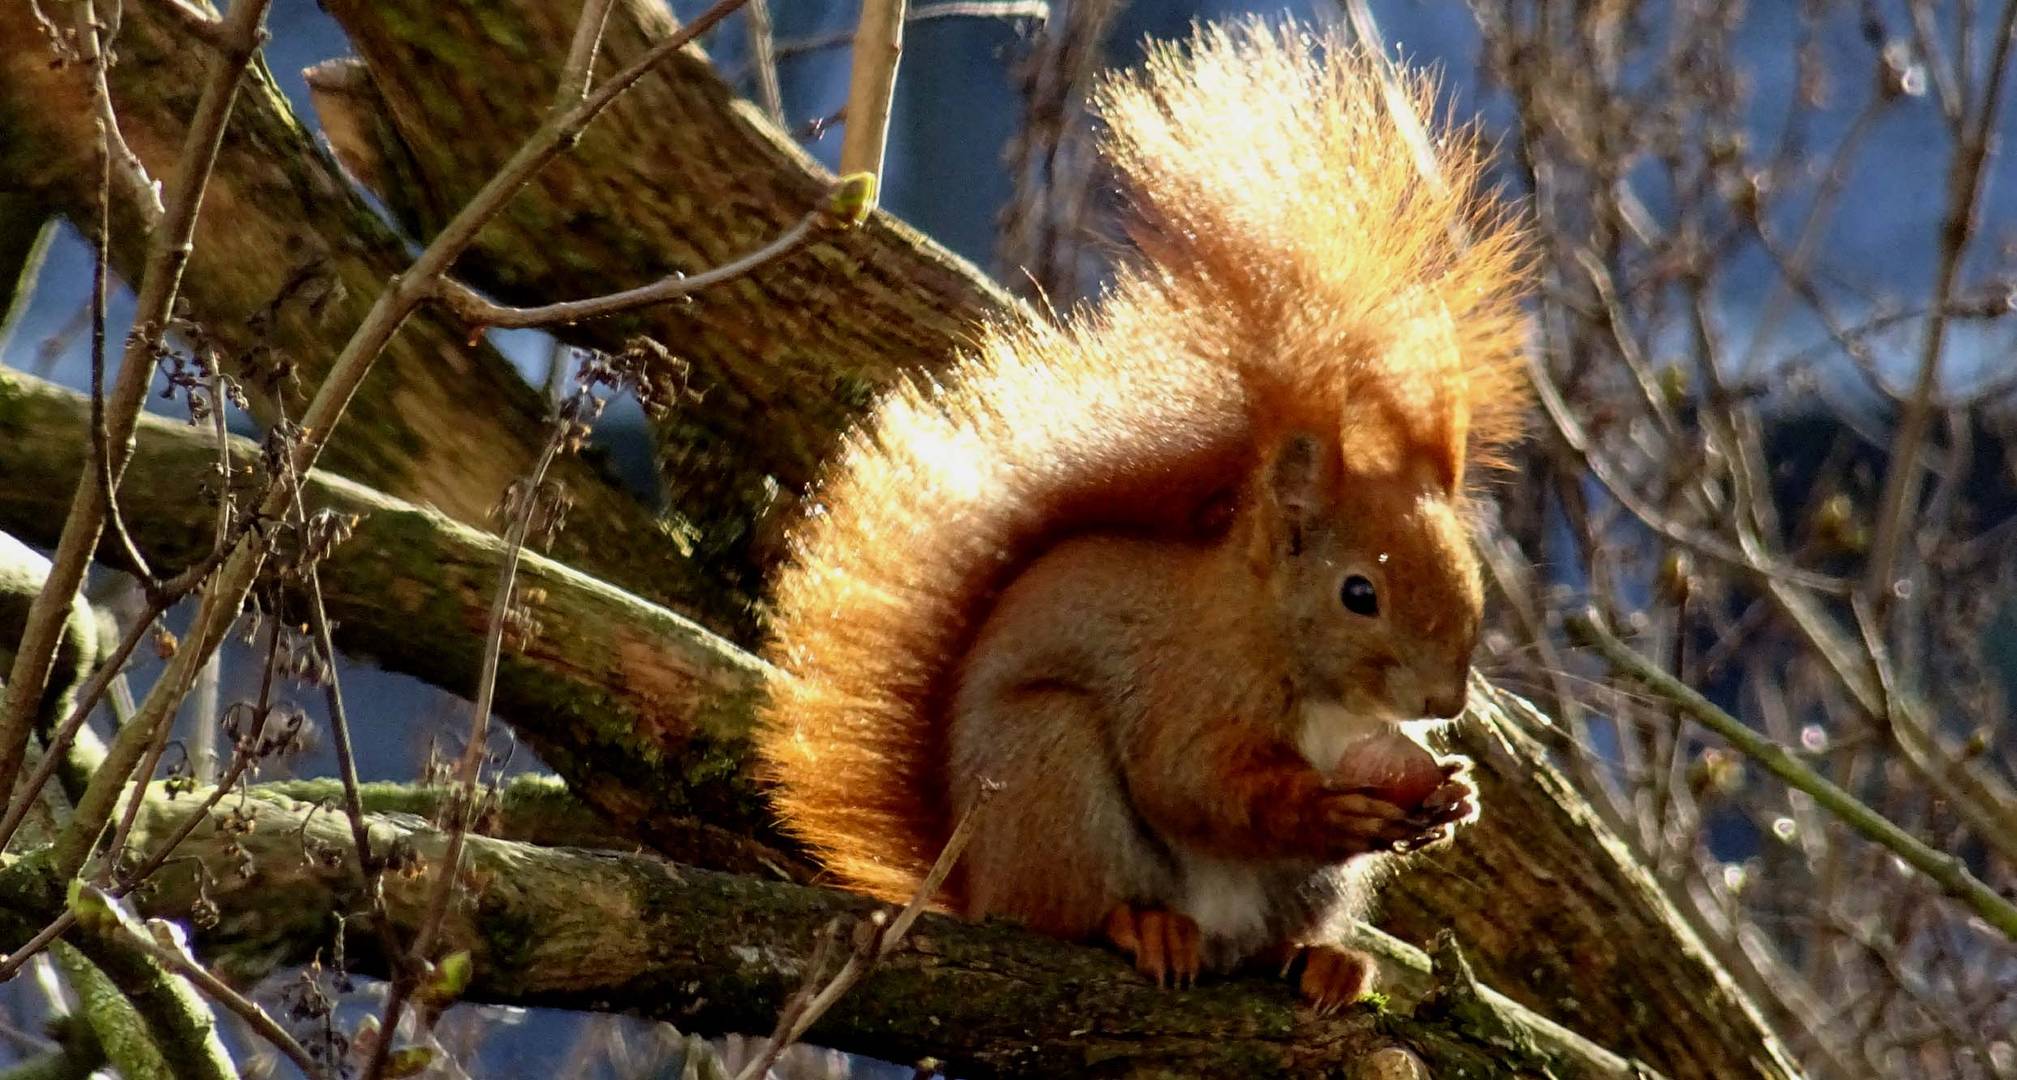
[[715, 952], [528, 809], [287, 259], [644, 712], [646, 716], [147, 1020]]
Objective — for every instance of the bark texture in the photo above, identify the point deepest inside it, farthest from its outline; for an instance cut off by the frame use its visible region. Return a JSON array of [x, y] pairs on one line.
[[646, 715], [643, 711], [287, 259], [680, 175], [717, 952], [1554, 911]]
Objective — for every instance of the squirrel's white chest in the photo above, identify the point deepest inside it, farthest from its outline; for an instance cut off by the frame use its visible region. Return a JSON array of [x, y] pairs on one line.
[[1228, 899]]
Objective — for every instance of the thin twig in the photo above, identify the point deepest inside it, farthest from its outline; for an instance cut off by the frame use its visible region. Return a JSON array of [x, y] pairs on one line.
[[198, 24], [763, 60], [387, 314], [883, 934], [216, 989], [58, 747], [476, 311], [244, 751], [1578, 442], [140, 188], [945, 9], [141, 871], [461, 808], [1964, 187], [339, 729], [161, 276], [579, 68], [1943, 869], [101, 455]]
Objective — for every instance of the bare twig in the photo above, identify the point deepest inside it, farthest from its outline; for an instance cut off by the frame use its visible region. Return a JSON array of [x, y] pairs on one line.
[[477, 311], [339, 728], [244, 752], [160, 279], [123, 929], [461, 810], [873, 941], [1964, 187], [199, 24], [131, 880], [245, 1008], [136, 185], [1943, 869], [232, 582], [88, 696], [763, 60], [101, 454], [579, 68], [1573, 436], [944, 9]]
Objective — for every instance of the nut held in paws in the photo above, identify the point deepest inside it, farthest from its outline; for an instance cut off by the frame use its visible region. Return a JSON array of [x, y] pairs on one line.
[[1390, 765]]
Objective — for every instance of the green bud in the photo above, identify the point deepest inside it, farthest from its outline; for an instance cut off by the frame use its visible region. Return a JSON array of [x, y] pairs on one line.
[[852, 198], [408, 1061]]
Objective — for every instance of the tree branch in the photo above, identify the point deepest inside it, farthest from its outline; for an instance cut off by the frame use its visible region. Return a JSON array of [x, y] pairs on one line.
[[287, 260], [1950, 873], [722, 953], [680, 176], [643, 711], [646, 716], [168, 246]]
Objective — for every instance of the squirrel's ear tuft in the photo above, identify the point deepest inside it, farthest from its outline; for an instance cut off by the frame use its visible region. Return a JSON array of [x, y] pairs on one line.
[[1297, 489], [1451, 456]]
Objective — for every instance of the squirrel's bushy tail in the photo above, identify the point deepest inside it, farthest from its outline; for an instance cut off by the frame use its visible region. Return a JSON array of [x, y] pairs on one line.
[[1299, 271]]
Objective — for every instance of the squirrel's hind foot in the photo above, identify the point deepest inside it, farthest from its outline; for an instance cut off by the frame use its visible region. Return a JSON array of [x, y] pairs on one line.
[[1329, 977], [1165, 945]]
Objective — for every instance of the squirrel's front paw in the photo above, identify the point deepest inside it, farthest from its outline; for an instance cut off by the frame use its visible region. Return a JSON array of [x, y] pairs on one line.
[[1358, 822], [1452, 803]]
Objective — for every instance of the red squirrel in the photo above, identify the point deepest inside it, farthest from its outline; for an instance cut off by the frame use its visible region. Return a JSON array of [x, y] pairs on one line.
[[1173, 574]]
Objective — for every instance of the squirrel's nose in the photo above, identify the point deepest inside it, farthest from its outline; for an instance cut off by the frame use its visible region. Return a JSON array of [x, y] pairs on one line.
[[1448, 704]]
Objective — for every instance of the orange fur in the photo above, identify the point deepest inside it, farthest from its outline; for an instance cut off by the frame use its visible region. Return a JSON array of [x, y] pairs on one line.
[[1299, 273]]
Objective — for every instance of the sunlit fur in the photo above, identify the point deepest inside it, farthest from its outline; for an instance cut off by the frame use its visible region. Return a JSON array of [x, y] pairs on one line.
[[1298, 275]]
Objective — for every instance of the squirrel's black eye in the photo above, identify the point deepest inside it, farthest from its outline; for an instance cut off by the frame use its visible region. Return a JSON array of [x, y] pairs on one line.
[[1359, 596]]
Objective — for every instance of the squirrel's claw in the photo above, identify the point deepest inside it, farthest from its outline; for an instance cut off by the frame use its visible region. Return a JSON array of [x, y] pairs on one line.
[[1437, 818], [1332, 976], [1166, 946], [1453, 801]]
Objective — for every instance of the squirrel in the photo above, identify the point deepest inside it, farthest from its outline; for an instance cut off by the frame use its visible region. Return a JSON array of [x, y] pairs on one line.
[[1166, 575]]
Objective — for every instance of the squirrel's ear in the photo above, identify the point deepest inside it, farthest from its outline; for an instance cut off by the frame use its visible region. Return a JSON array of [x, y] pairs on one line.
[[1445, 445], [1296, 489], [1450, 456]]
